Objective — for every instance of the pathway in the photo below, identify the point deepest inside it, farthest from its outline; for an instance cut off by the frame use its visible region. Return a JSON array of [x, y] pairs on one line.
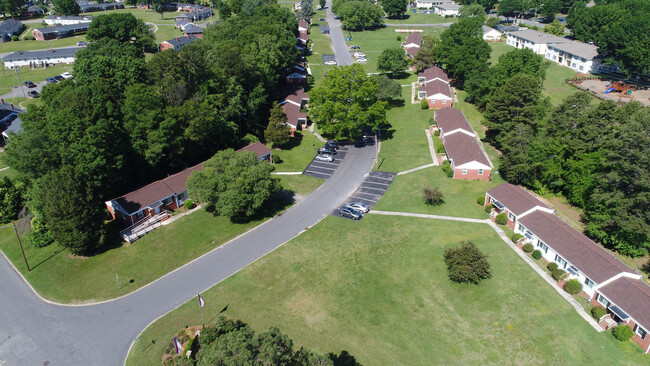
[[341, 51], [432, 149], [573, 302]]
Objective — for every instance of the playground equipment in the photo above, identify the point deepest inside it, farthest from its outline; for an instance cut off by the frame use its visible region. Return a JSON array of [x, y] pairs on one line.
[[620, 87], [609, 90]]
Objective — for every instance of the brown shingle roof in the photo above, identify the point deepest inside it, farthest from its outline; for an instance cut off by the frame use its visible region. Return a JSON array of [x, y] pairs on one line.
[[463, 149], [412, 51], [434, 72], [303, 23], [296, 95], [293, 113], [258, 148], [437, 87], [632, 296], [515, 198], [594, 261], [450, 119], [415, 38]]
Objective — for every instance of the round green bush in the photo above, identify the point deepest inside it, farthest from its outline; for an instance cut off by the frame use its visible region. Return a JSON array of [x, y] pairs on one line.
[[14, 38], [489, 208], [557, 274], [598, 312], [501, 219], [480, 200], [516, 237], [528, 247], [399, 38], [189, 204], [440, 149], [537, 254], [424, 104], [276, 159], [622, 332], [551, 266], [573, 286], [446, 167], [436, 133]]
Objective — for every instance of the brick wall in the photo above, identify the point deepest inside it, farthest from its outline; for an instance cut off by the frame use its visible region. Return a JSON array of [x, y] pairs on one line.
[[437, 104], [472, 174]]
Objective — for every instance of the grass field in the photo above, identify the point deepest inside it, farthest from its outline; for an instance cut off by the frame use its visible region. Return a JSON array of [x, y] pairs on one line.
[[167, 32], [9, 80], [26, 45], [296, 158], [459, 195], [148, 16], [418, 18], [379, 290], [299, 184], [56, 274]]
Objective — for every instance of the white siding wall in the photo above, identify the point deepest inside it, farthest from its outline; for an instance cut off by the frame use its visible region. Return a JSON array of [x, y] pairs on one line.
[[577, 63], [38, 63]]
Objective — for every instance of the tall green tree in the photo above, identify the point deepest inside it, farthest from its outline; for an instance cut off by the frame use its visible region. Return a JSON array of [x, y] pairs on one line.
[[510, 8], [346, 103], [467, 264], [425, 57], [159, 7], [389, 89], [361, 15], [66, 7], [462, 49], [394, 8], [392, 60], [109, 60], [122, 27], [550, 8], [277, 132], [472, 10], [12, 8], [11, 200], [322, 3], [555, 28], [306, 9]]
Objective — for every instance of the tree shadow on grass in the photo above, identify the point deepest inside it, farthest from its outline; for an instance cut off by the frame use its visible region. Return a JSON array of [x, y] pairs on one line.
[[343, 359], [272, 207], [293, 141]]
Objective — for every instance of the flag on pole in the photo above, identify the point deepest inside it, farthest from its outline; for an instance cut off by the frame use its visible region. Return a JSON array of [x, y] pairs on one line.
[[178, 345], [201, 302]]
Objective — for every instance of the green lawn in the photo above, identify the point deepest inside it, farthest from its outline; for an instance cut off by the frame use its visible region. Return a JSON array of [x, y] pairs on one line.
[[459, 195], [8, 79], [299, 184], [25, 45], [296, 158], [148, 16], [167, 32], [56, 274], [407, 147], [417, 18], [379, 290]]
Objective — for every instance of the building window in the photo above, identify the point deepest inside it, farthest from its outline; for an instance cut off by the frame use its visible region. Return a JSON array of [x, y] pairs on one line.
[[521, 228], [554, 58], [542, 246], [480, 172], [511, 217], [464, 171], [640, 331], [582, 68], [139, 215], [560, 261], [602, 300], [444, 101], [167, 201], [589, 283]]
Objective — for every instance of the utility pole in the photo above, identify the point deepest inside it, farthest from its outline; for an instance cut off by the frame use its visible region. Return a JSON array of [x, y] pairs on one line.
[[21, 247], [21, 87]]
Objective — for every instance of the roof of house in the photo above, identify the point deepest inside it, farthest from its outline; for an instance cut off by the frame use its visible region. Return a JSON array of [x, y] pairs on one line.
[[293, 113], [537, 36], [10, 119], [581, 49], [506, 28], [303, 24], [463, 149], [415, 38], [632, 296], [434, 73], [64, 29], [412, 51], [181, 41], [594, 261], [192, 28], [486, 29], [258, 148], [303, 36], [68, 17], [10, 26], [42, 54], [296, 95], [133, 202], [515, 198], [448, 6], [450, 119], [437, 87], [182, 22]]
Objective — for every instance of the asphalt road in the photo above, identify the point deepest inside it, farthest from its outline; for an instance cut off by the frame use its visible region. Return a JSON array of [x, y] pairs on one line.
[[341, 50], [33, 332]]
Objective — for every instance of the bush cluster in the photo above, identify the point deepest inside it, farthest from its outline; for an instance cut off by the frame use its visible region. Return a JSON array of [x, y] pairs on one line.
[[480, 200], [622, 332], [551, 266], [516, 237], [501, 219], [446, 167], [440, 149], [557, 274], [436, 133], [528, 247], [537, 254], [573, 286], [424, 104], [489, 208], [189, 204], [467, 264], [432, 196], [598, 312]]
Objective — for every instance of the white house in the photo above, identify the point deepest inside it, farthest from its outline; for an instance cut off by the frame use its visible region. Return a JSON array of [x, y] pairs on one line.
[[428, 4], [66, 20], [490, 34], [449, 9], [579, 56], [41, 58], [535, 40]]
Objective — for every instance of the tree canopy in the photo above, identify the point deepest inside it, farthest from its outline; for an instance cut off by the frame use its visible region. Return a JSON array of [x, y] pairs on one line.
[[509, 8], [394, 8], [389, 89], [392, 60], [467, 264], [359, 15], [12, 8], [66, 7], [425, 57], [556, 28], [277, 131], [346, 103]]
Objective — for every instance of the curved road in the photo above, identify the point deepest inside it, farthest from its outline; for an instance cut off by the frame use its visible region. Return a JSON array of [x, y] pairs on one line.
[[34, 332], [341, 50]]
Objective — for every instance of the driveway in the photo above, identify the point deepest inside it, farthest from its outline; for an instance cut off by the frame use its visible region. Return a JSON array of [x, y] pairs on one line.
[[34, 332], [341, 51]]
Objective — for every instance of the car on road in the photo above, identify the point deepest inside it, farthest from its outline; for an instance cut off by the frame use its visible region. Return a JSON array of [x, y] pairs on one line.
[[332, 145], [82, 43], [349, 212], [355, 47], [33, 94], [29, 84], [362, 60], [67, 75], [58, 78], [325, 157], [324, 150], [359, 206], [50, 80]]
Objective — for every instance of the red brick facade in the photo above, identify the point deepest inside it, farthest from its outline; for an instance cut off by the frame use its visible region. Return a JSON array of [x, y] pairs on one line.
[[472, 174], [438, 103], [643, 343]]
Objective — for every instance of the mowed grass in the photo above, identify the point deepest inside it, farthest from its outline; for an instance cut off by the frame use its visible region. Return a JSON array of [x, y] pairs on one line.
[[9, 80], [405, 194], [379, 290], [58, 276], [299, 184], [418, 18], [167, 32], [407, 147], [148, 15], [297, 157], [31, 45]]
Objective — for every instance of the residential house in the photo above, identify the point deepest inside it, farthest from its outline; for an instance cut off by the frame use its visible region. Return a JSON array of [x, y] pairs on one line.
[[10, 28], [303, 26], [177, 43], [293, 105], [429, 4], [449, 9], [261, 152], [40, 58], [32, 11], [192, 30], [579, 56], [58, 31], [535, 40], [181, 23], [87, 7], [66, 20], [412, 44], [465, 153], [199, 13], [491, 35], [435, 88], [297, 74], [506, 28], [607, 281]]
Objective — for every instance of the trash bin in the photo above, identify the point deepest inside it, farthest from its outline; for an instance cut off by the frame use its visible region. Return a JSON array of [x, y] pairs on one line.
[[348, 39], [415, 11]]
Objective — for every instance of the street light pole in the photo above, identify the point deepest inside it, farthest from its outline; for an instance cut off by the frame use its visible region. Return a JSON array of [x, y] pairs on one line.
[[19, 83]]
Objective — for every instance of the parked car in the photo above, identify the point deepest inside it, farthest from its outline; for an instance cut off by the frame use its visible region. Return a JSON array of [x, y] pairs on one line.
[[82, 43], [324, 150], [359, 206], [349, 212], [67, 75], [325, 157], [33, 94], [50, 80], [355, 47], [359, 54], [321, 19], [362, 60], [58, 78], [332, 145], [29, 84]]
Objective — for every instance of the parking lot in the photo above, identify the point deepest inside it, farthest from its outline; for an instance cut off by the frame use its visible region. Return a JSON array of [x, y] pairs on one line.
[[324, 169], [371, 190]]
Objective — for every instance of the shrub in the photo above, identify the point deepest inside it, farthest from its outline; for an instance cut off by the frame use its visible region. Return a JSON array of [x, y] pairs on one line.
[[573, 286], [189, 204], [277, 159], [39, 236], [489, 208], [551, 266], [440, 149], [501, 219], [399, 38], [480, 200], [14, 38], [537, 254], [622, 332], [432, 196], [467, 264], [557, 274], [446, 167], [516, 237], [528, 247], [646, 267], [598, 312], [436, 133], [424, 104]]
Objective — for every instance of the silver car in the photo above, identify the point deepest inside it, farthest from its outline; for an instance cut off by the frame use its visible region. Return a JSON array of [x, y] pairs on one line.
[[325, 157], [359, 206]]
